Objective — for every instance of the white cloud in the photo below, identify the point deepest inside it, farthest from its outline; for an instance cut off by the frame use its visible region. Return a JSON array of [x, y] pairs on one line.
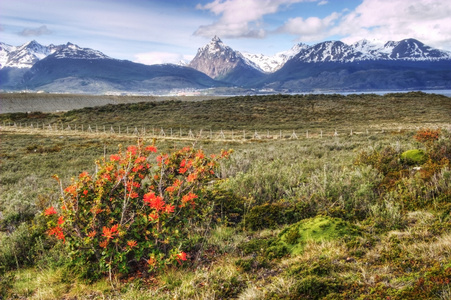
[[154, 58], [310, 29], [323, 2], [41, 30], [426, 20], [240, 18]]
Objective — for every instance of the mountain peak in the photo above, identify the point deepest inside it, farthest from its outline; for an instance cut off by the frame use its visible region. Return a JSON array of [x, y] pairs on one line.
[[216, 39]]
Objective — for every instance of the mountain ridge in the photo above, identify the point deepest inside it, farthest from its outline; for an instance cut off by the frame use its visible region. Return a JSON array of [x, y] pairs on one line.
[[329, 65]]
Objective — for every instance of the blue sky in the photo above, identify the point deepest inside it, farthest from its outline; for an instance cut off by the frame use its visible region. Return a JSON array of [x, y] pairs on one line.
[[152, 31]]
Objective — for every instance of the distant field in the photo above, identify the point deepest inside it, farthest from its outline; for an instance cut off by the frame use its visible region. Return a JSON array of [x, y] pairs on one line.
[[242, 113], [26, 102]]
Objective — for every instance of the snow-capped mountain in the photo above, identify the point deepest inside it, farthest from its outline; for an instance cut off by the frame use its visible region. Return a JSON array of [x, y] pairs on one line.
[[73, 51], [218, 60], [270, 64], [25, 56], [364, 50]]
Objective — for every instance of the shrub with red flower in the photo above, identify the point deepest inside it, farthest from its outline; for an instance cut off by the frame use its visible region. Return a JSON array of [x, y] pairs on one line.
[[134, 211], [427, 136]]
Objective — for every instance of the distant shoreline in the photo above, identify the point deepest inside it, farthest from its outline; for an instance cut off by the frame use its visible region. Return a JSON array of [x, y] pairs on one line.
[[50, 103]]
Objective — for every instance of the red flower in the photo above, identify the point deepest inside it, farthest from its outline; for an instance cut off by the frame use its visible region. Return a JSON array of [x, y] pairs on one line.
[[60, 220], [151, 149], [133, 195], [115, 157], [132, 149], [155, 202], [50, 211], [85, 192], [182, 170], [181, 256], [106, 176], [58, 232], [131, 244], [136, 184]]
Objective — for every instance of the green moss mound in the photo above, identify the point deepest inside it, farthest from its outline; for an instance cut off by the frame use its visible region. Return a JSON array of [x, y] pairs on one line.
[[414, 157], [320, 228]]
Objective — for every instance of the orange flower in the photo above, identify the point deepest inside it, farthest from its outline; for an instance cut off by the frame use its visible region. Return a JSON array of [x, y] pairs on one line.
[[189, 197], [92, 234], [85, 192], [151, 261], [50, 211], [200, 154], [140, 159], [109, 233], [83, 174], [169, 208], [115, 157], [151, 149], [103, 244], [191, 177], [71, 189], [131, 244], [182, 170], [60, 220]]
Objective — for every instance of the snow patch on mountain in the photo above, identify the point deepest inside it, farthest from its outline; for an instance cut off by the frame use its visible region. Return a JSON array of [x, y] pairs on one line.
[[270, 64], [75, 52]]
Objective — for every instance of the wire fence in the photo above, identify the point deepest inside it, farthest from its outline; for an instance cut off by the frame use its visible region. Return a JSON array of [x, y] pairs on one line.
[[189, 134]]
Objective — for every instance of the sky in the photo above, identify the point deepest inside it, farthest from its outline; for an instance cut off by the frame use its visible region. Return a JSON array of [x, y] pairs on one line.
[[167, 31]]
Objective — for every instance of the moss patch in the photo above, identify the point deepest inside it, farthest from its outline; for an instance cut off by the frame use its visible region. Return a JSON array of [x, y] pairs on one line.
[[414, 157], [320, 228]]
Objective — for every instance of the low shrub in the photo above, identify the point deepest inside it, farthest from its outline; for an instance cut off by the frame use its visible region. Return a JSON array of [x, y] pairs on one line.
[[132, 214], [271, 215]]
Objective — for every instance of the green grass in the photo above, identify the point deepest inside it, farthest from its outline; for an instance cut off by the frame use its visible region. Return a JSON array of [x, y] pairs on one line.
[[347, 237]]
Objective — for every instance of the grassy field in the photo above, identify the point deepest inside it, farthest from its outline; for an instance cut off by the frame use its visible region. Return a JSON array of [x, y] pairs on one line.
[[307, 218]]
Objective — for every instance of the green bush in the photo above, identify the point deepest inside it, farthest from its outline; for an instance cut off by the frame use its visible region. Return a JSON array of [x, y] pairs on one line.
[[320, 228], [414, 157]]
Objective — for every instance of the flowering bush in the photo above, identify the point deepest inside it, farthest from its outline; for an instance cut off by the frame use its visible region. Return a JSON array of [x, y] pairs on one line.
[[133, 213], [427, 136]]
